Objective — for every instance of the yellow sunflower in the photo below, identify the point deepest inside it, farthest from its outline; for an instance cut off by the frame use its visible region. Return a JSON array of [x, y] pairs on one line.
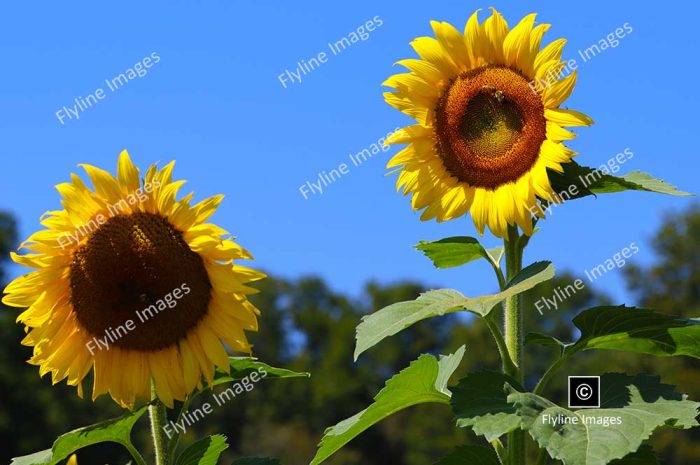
[[134, 283], [487, 103]]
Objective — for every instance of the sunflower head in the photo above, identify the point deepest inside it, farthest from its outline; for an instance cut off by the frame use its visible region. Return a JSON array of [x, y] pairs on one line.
[[135, 284], [489, 122]]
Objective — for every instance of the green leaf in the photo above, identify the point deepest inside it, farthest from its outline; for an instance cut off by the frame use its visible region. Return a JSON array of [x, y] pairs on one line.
[[472, 455], [115, 430], [206, 451], [637, 330], [579, 181], [637, 181], [456, 251], [638, 404], [423, 381], [496, 254], [256, 461], [480, 401], [396, 317], [242, 367], [545, 340], [36, 458], [644, 456]]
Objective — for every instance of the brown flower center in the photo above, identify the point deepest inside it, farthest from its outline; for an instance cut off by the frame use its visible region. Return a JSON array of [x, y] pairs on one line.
[[138, 268], [489, 126]]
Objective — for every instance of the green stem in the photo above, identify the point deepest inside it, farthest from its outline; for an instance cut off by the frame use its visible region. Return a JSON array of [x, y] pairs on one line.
[[157, 414], [542, 457], [175, 439], [513, 321], [509, 367], [552, 370], [513, 330], [499, 273], [135, 454], [500, 451]]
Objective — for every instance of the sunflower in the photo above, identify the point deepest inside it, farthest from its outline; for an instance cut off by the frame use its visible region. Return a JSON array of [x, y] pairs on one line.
[[134, 283], [487, 103]]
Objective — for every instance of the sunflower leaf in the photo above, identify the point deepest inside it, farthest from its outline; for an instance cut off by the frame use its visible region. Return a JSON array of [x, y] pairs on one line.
[[479, 401], [637, 330], [206, 451], [473, 455], [644, 456], [423, 381], [580, 181], [243, 367], [115, 430], [396, 317], [545, 340], [456, 251], [633, 408]]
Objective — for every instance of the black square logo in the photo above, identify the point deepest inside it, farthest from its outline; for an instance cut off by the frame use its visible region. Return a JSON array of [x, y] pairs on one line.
[[584, 391]]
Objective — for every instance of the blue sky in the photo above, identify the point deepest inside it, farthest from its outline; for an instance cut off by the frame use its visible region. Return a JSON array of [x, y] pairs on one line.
[[214, 103]]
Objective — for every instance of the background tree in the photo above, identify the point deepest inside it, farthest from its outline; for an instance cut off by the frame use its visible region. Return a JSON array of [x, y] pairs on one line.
[[306, 326]]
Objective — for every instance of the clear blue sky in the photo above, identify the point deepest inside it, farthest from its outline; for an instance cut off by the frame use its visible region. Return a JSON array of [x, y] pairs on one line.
[[215, 104]]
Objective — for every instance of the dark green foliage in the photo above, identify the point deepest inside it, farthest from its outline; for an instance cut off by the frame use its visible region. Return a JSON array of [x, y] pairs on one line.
[[306, 326]]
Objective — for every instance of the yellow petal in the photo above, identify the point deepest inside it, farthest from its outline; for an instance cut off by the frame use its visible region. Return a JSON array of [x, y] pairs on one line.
[[516, 45], [420, 113], [409, 83], [566, 117], [429, 49], [496, 30], [557, 134], [127, 174], [453, 43], [527, 64], [424, 70], [104, 183], [474, 36], [559, 91], [552, 52]]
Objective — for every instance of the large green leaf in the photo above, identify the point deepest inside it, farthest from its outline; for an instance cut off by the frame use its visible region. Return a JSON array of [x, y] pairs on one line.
[[644, 456], [471, 455], [630, 329], [242, 367], [639, 405], [479, 401], [589, 181], [206, 451], [637, 330], [115, 430], [423, 381], [396, 317], [457, 251]]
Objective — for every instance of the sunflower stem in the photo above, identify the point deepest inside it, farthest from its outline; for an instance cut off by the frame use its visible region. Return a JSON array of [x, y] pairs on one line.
[[158, 415], [513, 330], [513, 321]]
